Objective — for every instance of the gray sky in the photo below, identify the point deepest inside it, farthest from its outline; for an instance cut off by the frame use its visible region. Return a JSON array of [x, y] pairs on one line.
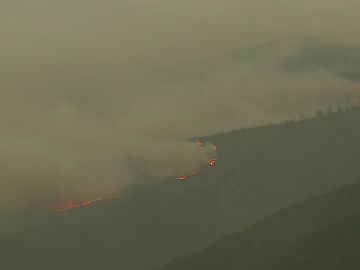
[[88, 87]]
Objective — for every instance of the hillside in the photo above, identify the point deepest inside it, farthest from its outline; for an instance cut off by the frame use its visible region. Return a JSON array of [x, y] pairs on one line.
[[260, 171], [333, 247], [321, 233], [299, 53]]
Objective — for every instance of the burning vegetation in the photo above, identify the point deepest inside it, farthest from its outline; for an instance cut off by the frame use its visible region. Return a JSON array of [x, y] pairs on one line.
[[74, 205], [70, 206], [212, 161]]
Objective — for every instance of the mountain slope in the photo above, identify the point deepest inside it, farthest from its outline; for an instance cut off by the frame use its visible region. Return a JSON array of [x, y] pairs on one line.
[[259, 171], [315, 234], [294, 53], [333, 247], [299, 53]]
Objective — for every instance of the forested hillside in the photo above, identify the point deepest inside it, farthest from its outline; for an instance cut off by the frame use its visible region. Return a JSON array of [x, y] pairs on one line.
[[259, 171]]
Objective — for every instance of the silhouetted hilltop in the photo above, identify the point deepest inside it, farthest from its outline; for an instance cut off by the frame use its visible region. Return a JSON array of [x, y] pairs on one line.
[[320, 233], [333, 247]]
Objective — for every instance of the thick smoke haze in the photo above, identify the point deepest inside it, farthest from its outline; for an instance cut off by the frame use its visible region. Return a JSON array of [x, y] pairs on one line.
[[98, 94]]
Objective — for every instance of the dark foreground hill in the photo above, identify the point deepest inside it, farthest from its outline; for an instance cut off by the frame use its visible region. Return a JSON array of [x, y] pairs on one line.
[[321, 233], [259, 171], [331, 248]]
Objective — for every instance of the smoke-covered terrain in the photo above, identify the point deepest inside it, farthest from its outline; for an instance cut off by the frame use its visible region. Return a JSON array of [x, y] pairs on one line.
[[104, 98], [259, 171], [77, 122]]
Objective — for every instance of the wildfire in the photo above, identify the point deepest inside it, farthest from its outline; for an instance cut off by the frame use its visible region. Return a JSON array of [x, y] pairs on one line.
[[212, 162], [183, 178], [201, 143], [70, 206]]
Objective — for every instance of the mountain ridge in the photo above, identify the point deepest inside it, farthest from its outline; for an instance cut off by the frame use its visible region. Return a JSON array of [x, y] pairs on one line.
[[258, 245]]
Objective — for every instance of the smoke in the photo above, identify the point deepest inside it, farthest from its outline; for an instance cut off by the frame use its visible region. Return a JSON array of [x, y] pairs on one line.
[[66, 157], [94, 101]]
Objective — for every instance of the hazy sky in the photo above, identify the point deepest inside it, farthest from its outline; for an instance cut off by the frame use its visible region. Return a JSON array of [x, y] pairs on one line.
[[90, 88]]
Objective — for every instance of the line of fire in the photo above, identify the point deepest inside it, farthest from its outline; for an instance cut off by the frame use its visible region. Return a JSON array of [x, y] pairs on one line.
[[212, 161], [71, 206]]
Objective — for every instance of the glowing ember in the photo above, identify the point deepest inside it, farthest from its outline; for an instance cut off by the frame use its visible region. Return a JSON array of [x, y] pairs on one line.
[[201, 143], [212, 162], [183, 178], [71, 206]]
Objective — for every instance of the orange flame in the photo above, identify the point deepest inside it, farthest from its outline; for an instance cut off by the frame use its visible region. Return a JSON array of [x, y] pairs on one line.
[[183, 177], [201, 143], [70, 206], [212, 162]]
